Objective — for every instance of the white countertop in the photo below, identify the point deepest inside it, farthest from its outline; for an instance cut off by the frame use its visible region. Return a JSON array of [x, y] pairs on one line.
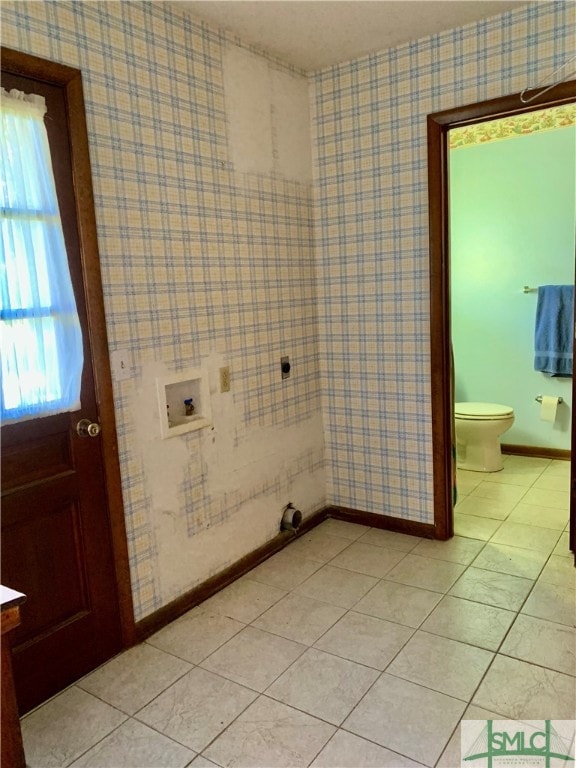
[[9, 597]]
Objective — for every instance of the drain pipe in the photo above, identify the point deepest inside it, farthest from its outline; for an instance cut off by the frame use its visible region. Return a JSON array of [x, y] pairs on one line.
[[291, 518]]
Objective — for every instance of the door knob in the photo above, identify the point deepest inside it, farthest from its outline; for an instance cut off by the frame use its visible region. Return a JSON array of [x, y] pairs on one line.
[[87, 428]]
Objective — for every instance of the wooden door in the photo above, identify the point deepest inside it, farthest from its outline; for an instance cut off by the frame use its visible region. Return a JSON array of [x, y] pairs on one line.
[[63, 537]]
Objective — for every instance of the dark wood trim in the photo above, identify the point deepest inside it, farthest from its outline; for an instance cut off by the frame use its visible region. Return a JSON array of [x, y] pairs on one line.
[[540, 452], [504, 106], [100, 352], [168, 613], [440, 335], [25, 64], [11, 746], [385, 522], [440, 326], [71, 80]]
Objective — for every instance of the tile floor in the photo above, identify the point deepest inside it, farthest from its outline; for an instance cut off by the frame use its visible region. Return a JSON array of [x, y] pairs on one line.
[[352, 647]]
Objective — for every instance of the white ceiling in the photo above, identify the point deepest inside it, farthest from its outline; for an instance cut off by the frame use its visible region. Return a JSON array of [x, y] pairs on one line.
[[311, 34]]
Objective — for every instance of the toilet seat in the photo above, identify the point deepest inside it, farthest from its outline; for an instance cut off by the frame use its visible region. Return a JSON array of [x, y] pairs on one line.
[[482, 411]]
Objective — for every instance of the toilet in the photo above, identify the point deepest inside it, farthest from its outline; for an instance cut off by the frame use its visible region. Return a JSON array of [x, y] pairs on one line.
[[478, 430]]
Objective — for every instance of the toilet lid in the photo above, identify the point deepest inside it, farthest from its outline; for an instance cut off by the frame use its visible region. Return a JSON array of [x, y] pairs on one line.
[[482, 410]]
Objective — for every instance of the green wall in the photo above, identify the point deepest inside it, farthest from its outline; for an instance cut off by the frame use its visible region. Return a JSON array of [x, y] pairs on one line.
[[512, 222]]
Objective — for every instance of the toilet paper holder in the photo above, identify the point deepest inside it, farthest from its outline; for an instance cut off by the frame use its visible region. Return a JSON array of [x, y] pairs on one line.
[[538, 399]]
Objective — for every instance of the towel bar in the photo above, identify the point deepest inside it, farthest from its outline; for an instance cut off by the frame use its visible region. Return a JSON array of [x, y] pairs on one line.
[[538, 399]]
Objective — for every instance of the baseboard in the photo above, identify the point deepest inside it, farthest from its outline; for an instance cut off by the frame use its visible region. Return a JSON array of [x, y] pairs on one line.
[[539, 452], [169, 613], [386, 522]]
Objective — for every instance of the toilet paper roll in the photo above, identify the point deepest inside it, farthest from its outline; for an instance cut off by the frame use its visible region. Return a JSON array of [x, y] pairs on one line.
[[548, 408]]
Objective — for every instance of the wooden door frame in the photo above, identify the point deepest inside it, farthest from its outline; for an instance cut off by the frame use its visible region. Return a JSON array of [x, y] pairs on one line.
[[70, 80], [440, 329]]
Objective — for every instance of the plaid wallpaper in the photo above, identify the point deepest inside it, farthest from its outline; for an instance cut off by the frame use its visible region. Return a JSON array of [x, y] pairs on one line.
[[369, 126], [204, 263], [200, 263]]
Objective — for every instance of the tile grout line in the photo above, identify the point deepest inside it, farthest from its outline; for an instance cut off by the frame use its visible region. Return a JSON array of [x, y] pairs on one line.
[[293, 590], [517, 612], [258, 693], [264, 693], [347, 610], [497, 653]]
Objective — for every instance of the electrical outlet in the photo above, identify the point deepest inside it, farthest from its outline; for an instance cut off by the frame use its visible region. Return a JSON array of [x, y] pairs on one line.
[[225, 379]]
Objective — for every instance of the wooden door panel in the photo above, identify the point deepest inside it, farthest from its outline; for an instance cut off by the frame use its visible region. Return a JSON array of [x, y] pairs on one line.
[[43, 668], [58, 536], [56, 549], [50, 537], [40, 458]]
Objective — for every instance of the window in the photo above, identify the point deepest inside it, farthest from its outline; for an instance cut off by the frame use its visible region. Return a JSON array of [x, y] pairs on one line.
[[40, 330]]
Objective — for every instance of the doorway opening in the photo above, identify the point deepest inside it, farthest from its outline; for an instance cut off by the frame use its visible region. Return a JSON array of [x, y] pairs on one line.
[[442, 373]]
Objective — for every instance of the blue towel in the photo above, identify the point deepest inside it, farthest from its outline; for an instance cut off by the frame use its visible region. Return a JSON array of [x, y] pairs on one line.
[[554, 330]]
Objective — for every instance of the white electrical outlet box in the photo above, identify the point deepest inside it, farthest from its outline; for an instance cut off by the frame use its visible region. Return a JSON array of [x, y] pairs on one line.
[[177, 414]]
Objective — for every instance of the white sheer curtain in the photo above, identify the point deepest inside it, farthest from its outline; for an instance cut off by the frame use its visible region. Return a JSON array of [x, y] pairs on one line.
[[41, 337]]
